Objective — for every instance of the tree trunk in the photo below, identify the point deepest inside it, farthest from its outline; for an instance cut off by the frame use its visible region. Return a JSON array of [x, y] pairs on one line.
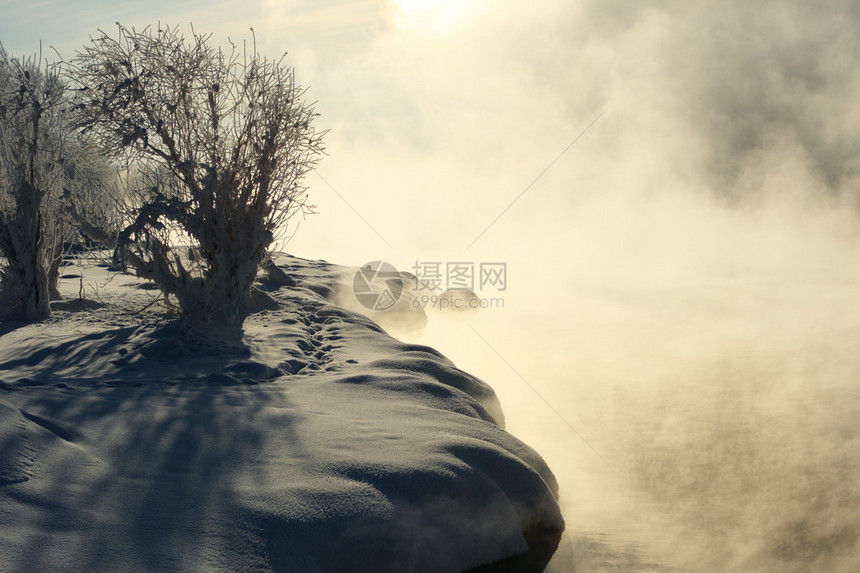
[[37, 304], [53, 270], [24, 240], [232, 277]]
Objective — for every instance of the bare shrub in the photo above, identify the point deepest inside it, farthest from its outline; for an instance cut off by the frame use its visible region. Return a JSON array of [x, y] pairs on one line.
[[222, 140]]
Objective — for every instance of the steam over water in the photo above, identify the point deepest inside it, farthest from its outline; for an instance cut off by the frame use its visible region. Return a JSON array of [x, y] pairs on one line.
[[683, 282], [723, 396]]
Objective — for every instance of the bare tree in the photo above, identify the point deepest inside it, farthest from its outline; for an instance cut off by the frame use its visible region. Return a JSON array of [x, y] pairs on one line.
[[93, 196], [223, 140], [32, 142]]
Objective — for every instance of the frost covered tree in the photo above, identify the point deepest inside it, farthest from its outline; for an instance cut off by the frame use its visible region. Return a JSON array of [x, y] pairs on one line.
[[92, 200], [33, 136], [223, 140]]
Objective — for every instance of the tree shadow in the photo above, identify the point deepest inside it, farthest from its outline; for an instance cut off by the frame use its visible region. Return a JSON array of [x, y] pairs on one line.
[[141, 477], [141, 472], [137, 355], [11, 320]]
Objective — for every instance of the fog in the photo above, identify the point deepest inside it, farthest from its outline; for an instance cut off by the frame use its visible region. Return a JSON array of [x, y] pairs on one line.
[[718, 385], [673, 188], [678, 331]]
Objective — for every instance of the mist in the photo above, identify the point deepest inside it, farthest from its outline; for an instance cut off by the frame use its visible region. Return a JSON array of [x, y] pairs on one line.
[[678, 330], [673, 188]]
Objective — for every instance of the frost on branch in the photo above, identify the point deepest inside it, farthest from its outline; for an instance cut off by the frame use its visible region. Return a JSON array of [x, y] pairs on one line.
[[223, 141], [33, 138]]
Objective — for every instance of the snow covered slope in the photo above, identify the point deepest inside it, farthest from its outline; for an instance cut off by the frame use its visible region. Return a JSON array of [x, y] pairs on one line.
[[309, 441]]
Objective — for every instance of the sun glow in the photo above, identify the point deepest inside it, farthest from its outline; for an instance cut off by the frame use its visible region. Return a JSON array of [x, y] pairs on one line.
[[434, 16]]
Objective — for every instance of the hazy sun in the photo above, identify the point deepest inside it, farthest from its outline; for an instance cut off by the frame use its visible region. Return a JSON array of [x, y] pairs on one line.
[[433, 16]]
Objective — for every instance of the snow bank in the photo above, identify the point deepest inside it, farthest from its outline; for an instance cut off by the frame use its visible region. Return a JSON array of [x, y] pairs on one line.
[[309, 441]]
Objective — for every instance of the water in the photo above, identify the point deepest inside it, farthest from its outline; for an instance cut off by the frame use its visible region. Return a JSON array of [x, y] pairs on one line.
[[701, 419]]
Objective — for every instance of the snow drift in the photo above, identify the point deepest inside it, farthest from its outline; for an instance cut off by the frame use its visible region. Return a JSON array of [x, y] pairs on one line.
[[308, 441]]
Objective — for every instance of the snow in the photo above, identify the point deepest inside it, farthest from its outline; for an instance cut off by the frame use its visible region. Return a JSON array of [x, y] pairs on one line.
[[309, 440]]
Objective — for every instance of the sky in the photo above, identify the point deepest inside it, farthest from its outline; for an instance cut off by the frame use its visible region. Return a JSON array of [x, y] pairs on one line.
[[454, 120]]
